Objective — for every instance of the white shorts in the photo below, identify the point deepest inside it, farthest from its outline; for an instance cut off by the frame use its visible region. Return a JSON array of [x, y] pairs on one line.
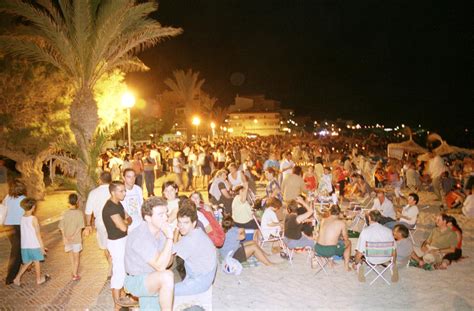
[[75, 248], [117, 252], [101, 237]]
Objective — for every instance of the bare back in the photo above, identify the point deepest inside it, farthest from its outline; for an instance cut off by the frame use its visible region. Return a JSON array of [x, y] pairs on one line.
[[331, 230]]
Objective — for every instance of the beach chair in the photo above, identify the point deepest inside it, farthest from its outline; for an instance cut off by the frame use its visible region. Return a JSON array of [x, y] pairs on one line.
[[291, 253], [361, 209], [379, 254], [271, 238]]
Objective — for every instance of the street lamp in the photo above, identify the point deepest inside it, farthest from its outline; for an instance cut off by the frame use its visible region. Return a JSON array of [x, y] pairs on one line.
[[196, 122], [128, 101], [213, 128]]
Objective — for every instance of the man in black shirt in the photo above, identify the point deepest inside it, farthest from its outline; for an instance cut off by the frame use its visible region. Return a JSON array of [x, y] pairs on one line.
[[116, 223]]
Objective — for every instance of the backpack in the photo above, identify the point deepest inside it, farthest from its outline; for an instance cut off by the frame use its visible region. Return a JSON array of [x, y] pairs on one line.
[[217, 234]]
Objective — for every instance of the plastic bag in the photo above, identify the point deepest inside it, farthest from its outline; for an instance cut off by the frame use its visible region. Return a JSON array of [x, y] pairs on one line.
[[231, 265]]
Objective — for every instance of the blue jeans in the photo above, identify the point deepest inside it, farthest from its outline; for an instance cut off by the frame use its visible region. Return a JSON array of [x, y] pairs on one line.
[[150, 182], [194, 283]]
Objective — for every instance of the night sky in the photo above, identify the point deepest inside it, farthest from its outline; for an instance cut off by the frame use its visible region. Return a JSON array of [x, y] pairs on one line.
[[371, 61]]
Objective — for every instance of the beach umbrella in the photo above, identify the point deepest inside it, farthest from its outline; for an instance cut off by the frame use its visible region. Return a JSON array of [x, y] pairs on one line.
[[396, 150], [444, 148]]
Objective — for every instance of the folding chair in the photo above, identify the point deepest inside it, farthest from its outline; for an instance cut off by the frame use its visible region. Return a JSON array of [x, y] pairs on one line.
[[378, 253], [271, 238], [365, 206]]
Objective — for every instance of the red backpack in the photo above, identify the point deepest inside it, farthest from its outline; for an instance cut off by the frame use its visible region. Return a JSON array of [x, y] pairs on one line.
[[217, 234]]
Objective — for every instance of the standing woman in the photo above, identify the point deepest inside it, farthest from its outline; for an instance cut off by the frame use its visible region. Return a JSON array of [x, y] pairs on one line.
[[14, 213]]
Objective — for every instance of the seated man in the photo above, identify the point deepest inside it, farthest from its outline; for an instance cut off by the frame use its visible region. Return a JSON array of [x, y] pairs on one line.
[[403, 243], [409, 214], [385, 207], [197, 251], [147, 256], [375, 232], [329, 243], [441, 241]]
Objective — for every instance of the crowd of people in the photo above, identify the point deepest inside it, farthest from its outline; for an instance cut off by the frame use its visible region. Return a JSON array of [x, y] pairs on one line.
[[312, 189]]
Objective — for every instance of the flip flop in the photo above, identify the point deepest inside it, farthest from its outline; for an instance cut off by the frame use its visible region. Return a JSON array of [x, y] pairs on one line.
[[127, 302], [47, 277]]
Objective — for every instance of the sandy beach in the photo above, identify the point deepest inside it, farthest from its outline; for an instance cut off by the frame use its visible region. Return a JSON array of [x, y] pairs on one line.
[[298, 287]]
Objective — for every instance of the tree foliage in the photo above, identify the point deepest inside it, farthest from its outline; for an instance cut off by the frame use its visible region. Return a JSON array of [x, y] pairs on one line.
[[85, 40]]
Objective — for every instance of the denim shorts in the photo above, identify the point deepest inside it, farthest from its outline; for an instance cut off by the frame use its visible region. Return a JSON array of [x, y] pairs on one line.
[[31, 254]]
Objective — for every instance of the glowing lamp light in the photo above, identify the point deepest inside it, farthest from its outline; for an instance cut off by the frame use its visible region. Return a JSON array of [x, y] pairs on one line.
[[128, 100], [213, 125], [196, 121]]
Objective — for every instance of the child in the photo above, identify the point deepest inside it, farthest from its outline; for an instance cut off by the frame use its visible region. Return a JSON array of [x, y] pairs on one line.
[[32, 247], [71, 226], [310, 179]]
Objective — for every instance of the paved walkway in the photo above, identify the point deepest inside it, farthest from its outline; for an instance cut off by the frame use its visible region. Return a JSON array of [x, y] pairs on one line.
[[92, 292]]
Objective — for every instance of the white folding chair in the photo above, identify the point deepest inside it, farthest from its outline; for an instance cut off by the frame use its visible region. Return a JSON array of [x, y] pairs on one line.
[[271, 238], [376, 254]]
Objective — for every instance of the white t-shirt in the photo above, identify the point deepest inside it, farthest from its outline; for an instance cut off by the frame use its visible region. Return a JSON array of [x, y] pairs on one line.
[[468, 206], [133, 206], [95, 203], [285, 164], [411, 212], [269, 216], [172, 206], [374, 233], [202, 219], [386, 208]]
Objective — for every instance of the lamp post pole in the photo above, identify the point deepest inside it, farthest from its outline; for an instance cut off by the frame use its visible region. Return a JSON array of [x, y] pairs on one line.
[[129, 126], [128, 100]]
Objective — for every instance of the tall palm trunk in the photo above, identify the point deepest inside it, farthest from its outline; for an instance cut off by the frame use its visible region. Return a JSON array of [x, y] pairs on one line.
[[84, 122]]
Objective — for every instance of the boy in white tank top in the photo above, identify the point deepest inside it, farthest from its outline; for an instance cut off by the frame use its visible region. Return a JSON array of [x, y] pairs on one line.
[[32, 247]]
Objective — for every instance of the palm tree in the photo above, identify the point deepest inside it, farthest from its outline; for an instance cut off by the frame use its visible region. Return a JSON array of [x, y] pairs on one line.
[[186, 86], [84, 39]]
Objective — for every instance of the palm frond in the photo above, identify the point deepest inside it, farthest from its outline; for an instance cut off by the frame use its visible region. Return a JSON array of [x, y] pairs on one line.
[[34, 51]]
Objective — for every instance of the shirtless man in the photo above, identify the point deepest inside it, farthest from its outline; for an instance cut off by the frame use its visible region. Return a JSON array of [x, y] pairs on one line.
[[329, 243]]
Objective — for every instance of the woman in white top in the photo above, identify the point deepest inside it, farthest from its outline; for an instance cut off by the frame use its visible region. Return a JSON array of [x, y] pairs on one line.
[[270, 224], [235, 176], [170, 193], [13, 219], [241, 210]]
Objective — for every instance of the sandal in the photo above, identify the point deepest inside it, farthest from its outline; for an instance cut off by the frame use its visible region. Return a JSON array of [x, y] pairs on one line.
[[46, 278], [76, 277], [127, 302]]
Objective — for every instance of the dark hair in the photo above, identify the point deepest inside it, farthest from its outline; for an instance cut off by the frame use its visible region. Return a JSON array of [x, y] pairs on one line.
[[375, 215], [454, 222], [238, 188], [72, 199], [114, 185], [319, 160], [273, 202], [105, 177], [27, 204], [334, 210], [415, 197], [402, 229], [125, 171], [297, 170], [271, 170], [17, 188], [292, 206], [227, 223], [150, 203], [169, 183], [187, 208]]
